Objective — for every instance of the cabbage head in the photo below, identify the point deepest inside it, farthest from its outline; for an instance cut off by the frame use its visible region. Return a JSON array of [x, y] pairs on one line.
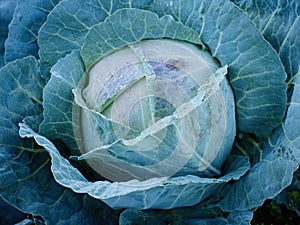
[[147, 111]]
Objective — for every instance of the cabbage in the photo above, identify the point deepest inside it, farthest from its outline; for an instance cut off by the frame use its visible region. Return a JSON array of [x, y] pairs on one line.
[[134, 112]]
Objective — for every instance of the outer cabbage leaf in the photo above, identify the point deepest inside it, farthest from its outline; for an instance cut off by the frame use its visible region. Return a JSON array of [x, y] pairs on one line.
[[7, 8], [23, 29], [161, 193], [255, 70], [34, 221], [290, 197], [69, 22], [185, 216], [26, 181], [58, 100], [127, 26], [9, 214], [279, 22], [279, 160]]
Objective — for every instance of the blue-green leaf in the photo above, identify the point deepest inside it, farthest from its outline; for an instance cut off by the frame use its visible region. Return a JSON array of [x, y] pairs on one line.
[[10, 214], [279, 23], [23, 29], [290, 197], [58, 100], [185, 216], [26, 181], [7, 8], [21, 90], [136, 25], [35, 221]]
